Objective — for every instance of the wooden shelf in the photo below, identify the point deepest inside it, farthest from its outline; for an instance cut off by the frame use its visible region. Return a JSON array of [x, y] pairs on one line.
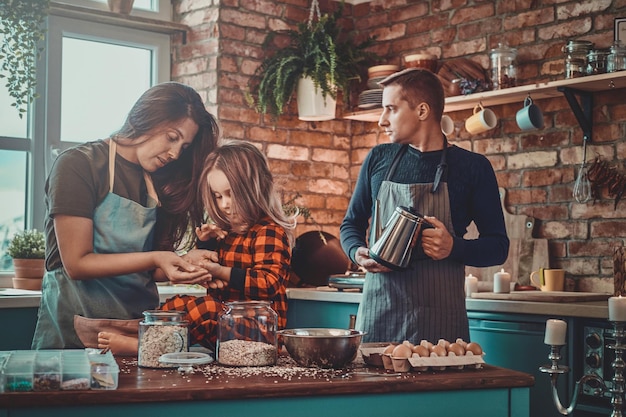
[[107, 17], [537, 91]]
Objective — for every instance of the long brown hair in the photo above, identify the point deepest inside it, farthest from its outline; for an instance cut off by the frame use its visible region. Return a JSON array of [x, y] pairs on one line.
[[176, 183], [252, 186]]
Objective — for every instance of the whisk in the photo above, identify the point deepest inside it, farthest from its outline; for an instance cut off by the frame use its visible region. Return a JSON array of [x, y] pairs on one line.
[[582, 186]]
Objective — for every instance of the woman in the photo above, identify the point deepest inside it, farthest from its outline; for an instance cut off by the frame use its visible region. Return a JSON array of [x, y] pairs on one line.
[[116, 210]]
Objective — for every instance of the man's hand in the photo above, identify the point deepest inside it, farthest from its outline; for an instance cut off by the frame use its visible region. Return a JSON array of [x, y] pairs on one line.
[[362, 258], [436, 242]]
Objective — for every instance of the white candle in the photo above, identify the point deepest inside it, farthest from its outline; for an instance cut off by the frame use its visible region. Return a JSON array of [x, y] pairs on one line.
[[471, 285], [502, 282], [617, 308], [555, 332]]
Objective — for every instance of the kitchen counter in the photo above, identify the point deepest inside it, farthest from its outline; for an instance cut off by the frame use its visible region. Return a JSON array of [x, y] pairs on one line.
[[287, 389], [590, 309]]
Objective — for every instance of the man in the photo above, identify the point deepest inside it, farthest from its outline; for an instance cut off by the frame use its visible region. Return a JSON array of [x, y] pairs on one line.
[[447, 184]]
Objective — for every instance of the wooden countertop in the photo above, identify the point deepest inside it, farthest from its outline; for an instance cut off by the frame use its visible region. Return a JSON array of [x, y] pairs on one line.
[[216, 382]]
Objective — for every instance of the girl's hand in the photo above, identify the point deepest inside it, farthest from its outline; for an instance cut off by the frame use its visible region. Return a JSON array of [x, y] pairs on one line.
[[208, 231]]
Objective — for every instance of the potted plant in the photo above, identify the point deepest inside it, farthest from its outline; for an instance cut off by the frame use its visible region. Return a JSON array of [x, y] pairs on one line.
[[317, 54], [21, 32], [27, 248]]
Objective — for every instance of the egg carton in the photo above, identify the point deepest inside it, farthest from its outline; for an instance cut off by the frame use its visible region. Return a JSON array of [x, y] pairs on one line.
[[374, 356]]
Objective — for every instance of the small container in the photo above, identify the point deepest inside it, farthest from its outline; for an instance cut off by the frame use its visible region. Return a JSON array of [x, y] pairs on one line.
[[161, 332], [616, 60], [597, 61], [47, 371], [576, 58], [503, 67], [19, 371], [76, 370], [104, 370], [247, 334]]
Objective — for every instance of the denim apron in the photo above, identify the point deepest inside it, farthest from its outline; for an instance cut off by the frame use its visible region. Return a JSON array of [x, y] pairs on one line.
[[120, 225], [426, 300]]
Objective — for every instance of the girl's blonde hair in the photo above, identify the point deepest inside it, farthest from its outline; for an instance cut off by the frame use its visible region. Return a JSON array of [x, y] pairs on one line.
[[252, 186]]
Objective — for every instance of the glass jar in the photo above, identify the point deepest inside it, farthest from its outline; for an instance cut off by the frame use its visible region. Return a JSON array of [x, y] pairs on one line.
[[596, 61], [161, 332], [503, 69], [616, 60], [247, 334], [576, 58]]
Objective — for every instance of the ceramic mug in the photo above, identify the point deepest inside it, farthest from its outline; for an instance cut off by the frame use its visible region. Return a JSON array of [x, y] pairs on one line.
[[548, 279], [447, 125], [481, 121], [529, 117]]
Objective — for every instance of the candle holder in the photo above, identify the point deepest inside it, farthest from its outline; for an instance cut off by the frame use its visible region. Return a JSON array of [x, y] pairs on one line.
[[617, 389]]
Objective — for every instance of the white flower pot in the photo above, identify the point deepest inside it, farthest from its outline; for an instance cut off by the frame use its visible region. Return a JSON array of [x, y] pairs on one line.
[[312, 106]]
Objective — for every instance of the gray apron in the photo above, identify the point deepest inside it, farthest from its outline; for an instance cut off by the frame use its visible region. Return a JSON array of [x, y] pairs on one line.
[[120, 225], [426, 300]]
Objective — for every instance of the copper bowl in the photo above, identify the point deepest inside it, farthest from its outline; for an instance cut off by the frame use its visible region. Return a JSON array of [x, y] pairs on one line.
[[322, 347]]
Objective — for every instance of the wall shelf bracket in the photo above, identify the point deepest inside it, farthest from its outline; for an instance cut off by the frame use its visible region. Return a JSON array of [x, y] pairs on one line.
[[582, 110]]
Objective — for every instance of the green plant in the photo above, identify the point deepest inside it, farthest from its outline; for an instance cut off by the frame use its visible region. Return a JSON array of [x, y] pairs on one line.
[[22, 28], [28, 244], [317, 49]]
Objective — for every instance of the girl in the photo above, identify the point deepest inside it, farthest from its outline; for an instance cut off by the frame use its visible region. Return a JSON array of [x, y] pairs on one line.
[[116, 210], [251, 237]]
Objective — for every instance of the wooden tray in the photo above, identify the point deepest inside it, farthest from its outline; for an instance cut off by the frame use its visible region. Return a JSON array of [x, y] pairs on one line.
[[544, 296]]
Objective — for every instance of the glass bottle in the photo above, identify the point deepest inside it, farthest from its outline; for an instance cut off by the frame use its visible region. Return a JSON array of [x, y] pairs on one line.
[[576, 58], [503, 69], [616, 60], [247, 334], [161, 332], [596, 61]]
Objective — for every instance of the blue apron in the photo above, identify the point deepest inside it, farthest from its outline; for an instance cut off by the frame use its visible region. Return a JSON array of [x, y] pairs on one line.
[[120, 225], [427, 299]]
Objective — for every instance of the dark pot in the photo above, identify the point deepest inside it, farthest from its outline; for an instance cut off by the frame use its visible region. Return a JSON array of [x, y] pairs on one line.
[[315, 258]]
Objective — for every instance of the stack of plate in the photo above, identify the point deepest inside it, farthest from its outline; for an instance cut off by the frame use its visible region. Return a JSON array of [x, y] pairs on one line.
[[371, 99]]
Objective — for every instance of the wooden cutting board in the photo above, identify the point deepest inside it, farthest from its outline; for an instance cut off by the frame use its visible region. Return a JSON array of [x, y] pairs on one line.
[[544, 296], [526, 254]]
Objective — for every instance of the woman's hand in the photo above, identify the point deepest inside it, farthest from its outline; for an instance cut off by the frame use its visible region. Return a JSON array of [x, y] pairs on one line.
[[208, 231], [179, 271], [209, 261]]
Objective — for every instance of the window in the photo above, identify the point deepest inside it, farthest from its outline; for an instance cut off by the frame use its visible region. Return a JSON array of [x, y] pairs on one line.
[[89, 76]]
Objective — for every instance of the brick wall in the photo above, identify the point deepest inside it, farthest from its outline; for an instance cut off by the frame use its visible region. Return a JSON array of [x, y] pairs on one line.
[[320, 161]]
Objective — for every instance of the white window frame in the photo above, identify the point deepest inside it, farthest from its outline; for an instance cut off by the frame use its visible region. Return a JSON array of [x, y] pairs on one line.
[[162, 8]]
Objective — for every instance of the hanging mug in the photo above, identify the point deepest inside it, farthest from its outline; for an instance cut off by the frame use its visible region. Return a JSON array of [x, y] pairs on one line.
[[481, 121], [529, 117]]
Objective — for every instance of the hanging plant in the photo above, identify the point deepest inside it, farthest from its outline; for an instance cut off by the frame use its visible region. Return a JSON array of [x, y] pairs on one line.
[[22, 28], [317, 49]]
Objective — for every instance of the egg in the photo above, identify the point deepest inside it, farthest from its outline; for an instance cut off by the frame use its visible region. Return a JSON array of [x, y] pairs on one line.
[[444, 343], [401, 351], [439, 350], [426, 344], [456, 348], [461, 342], [421, 351], [407, 343], [474, 348], [389, 349]]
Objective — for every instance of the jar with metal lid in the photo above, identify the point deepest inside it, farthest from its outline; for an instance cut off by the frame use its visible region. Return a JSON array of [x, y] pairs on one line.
[[503, 67], [576, 58], [596, 61], [161, 332], [247, 334], [616, 60]]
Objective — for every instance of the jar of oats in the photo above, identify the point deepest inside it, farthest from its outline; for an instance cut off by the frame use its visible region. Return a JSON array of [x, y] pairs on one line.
[[247, 334], [161, 332]]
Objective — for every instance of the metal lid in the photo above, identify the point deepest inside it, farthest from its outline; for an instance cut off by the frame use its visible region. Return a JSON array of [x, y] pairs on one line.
[[577, 46], [504, 50]]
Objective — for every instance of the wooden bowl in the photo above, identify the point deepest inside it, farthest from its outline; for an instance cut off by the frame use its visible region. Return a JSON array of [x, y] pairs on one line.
[[426, 61]]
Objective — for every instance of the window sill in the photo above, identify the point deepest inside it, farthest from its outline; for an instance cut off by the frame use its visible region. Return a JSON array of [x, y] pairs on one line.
[[129, 21]]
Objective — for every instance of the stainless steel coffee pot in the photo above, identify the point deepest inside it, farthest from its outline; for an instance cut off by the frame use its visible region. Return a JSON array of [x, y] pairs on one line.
[[394, 244]]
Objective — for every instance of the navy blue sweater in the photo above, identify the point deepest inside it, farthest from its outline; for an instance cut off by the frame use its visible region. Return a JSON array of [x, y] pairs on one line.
[[473, 193]]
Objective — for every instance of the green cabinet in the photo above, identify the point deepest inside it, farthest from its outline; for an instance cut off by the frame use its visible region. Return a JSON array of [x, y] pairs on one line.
[[314, 313]]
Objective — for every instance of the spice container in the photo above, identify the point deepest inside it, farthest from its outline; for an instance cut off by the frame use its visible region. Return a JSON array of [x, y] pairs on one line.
[[596, 61], [247, 334], [576, 58], [503, 67], [18, 372], [161, 332], [76, 370], [47, 371], [616, 60]]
